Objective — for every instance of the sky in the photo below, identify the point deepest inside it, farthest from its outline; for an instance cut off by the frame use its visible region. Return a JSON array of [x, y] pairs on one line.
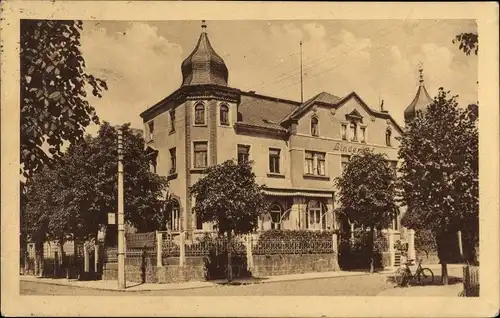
[[141, 60]]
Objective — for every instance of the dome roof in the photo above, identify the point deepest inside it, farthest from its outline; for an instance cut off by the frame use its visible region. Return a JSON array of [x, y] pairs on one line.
[[204, 65], [420, 102]]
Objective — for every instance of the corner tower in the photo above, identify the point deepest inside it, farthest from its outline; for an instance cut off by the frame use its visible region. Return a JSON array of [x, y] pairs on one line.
[[204, 66], [421, 100]]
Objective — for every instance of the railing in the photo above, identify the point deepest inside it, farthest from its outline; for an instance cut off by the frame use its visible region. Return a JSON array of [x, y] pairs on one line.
[[140, 240], [265, 247], [471, 281]]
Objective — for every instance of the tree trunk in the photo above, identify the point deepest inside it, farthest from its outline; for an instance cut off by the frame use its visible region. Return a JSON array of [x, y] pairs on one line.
[[229, 261], [38, 258], [444, 273], [441, 240], [372, 243]]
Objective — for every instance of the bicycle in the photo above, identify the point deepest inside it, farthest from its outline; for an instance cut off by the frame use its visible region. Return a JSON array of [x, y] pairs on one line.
[[423, 275]]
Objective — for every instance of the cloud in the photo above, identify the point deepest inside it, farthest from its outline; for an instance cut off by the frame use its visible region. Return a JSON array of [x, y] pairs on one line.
[[142, 63], [140, 67]]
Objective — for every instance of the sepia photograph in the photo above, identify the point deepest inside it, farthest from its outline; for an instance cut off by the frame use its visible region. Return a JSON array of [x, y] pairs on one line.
[[248, 157]]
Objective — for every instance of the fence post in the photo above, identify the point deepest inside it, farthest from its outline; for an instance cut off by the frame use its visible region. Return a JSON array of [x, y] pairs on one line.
[[182, 249], [334, 243], [249, 252], [411, 244], [96, 257], [86, 261], [392, 252], [159, 249]]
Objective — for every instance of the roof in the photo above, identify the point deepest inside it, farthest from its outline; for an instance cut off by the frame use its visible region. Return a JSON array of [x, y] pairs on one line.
[[204, 65], [263, 111], [323, 97], [420, 102], [332, 100]]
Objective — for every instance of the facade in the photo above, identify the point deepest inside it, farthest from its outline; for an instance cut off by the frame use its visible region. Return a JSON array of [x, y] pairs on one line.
[[297, 148]]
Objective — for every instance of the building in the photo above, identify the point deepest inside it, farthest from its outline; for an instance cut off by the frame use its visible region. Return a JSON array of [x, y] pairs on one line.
[[297, 148]]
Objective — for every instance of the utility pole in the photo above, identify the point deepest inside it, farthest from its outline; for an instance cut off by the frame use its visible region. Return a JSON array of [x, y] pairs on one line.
[[301, 82], [121, 228]]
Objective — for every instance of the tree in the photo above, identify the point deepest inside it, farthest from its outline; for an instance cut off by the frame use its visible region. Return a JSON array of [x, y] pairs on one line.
[[425, 241], [468, 42], [439, 175], [366, 193], [229, 196], [71, 200], [54, 87]]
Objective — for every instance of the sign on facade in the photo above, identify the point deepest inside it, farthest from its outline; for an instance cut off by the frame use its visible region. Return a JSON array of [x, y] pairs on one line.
[[111, 218]]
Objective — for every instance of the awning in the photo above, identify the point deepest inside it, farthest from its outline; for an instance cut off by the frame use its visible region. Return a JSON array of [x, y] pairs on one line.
[[283, 193]]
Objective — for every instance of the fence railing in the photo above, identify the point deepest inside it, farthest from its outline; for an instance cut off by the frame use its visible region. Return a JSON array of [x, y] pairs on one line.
[[140, 240], [471, 281], [318, 246]]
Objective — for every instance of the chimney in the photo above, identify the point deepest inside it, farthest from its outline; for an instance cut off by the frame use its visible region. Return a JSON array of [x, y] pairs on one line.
[[382, 110]]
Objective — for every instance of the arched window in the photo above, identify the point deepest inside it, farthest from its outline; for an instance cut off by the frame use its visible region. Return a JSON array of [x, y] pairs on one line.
[[224, 115], [316, 215], [174, 223], [276, 214], [199, 114], [314, 126], [388, 137]]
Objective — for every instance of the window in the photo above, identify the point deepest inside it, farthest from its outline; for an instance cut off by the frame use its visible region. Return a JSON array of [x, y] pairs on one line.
[[276, 215], [344, 162], [394, 166], [153, 166], [199, 114], [243, 153], [354, 132], [175, 217], [316, 215], [309, 162], [344, 132], [315, 163], [274, 160], [388, 137], [151, 128], [224, 115], [314, 126], [199, 222], [173, 161], [200, 154], [172, 120], [363, 134]]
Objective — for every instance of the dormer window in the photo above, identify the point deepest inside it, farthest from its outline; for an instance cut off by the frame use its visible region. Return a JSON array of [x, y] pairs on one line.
[[314, 126], [388, 137], [199, 114], [224, 115]]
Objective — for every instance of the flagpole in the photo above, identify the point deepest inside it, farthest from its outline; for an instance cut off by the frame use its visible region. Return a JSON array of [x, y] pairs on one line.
[[301, 81]]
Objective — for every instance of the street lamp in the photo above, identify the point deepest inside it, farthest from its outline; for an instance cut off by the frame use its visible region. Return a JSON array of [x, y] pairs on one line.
[[121, 228]]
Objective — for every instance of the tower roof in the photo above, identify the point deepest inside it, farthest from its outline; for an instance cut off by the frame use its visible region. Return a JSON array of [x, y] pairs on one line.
[[204, 65], [421, 100]]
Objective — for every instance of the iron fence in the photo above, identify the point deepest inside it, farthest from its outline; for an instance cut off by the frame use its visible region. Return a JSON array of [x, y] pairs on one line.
[[291, 246], [140, 240]]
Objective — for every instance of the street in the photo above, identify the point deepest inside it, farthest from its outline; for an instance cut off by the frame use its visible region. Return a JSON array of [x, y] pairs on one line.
[[367, 285]]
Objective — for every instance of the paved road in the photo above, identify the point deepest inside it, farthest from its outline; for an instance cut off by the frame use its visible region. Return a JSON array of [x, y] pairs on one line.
[[367, 285]]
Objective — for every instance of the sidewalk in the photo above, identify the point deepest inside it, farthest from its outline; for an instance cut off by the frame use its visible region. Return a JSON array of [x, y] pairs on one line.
[[133, 287]]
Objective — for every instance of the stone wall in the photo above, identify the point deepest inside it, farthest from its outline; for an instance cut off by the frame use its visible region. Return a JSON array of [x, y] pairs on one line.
[[272, 265], [152, 274]]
